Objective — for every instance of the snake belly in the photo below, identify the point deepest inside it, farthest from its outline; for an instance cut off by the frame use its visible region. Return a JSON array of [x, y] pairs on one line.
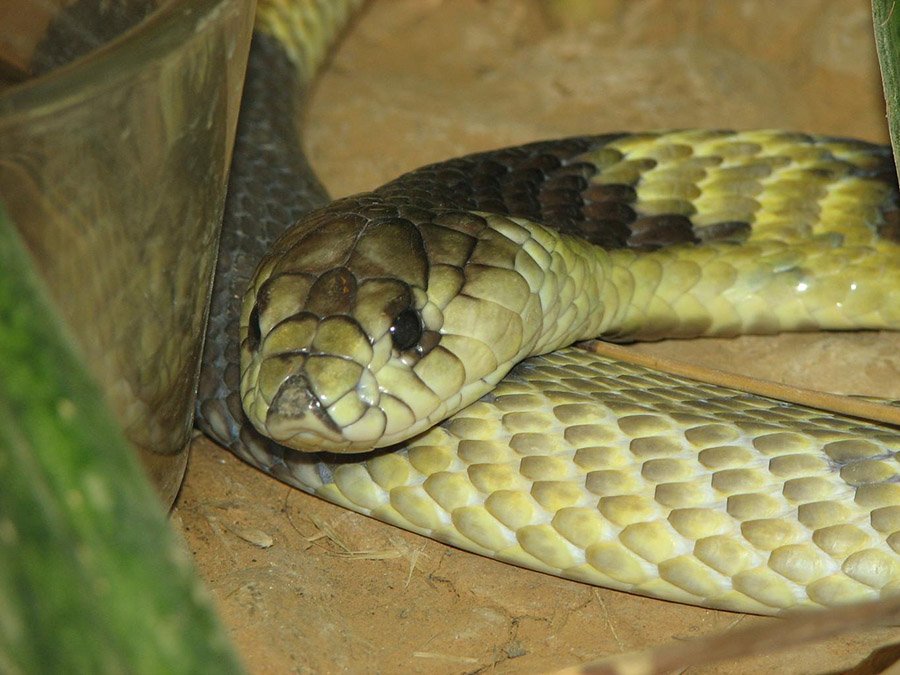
[[433, 318]]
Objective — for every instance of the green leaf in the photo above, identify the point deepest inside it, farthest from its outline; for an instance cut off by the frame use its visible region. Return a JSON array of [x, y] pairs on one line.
[[886, 19], [92, 578]]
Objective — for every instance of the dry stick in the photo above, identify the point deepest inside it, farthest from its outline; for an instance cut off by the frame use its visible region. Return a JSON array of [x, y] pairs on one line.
[[798, 628], [844, 405]]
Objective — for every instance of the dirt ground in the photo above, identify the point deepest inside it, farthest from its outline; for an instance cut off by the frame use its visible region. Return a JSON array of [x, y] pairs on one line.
[[308, 587]]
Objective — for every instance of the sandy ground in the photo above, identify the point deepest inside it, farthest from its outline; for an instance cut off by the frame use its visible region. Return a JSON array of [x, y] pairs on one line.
[[308, 587]]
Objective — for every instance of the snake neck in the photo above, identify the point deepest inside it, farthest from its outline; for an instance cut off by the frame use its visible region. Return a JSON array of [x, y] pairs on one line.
[[571, 292]]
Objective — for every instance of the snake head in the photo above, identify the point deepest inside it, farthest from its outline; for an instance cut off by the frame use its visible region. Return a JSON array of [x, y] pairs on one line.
[[357, 332]]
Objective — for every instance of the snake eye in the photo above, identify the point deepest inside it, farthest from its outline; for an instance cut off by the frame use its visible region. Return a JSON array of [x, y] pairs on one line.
[[406, 330]]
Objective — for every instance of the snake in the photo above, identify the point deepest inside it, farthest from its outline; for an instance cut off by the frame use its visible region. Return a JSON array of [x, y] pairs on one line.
[[421, 353]]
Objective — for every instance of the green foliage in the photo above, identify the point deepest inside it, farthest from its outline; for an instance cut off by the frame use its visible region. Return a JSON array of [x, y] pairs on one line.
[[92, 579], [886, 19]]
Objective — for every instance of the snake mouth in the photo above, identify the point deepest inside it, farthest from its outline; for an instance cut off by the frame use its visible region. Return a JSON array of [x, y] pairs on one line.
[[317, 403], [296, 411]]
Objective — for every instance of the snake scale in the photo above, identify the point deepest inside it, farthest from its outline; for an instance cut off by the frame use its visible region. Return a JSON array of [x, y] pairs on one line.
[[429, 326]]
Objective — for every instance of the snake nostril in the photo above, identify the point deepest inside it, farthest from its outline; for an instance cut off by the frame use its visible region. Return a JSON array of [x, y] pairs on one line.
[[254, 332], [406, 331]]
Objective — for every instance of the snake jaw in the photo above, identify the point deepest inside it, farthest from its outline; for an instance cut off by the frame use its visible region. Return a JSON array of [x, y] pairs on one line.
[[313, 402], [296, 408]]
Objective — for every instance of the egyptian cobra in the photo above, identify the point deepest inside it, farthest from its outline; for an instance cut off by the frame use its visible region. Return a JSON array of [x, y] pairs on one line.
[[408, 353]]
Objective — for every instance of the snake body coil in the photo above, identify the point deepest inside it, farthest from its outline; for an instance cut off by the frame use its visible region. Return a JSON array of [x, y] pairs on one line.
[[383, 318]]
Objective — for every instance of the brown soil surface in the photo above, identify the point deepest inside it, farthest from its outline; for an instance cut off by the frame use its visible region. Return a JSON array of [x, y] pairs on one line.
[[305, 586]]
